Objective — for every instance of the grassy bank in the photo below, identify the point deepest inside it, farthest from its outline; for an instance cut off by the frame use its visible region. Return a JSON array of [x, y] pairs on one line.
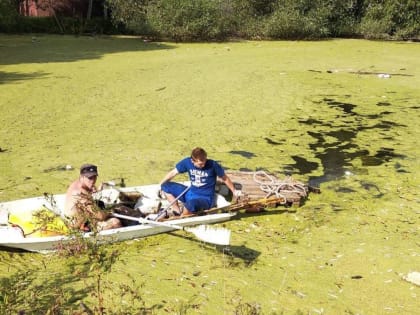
[[321, 110]]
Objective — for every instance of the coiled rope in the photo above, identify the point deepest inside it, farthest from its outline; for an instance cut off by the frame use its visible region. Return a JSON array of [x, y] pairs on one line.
[[272, 186]]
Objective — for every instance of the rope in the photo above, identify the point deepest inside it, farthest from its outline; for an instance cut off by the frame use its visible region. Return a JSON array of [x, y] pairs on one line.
[[272, 186]]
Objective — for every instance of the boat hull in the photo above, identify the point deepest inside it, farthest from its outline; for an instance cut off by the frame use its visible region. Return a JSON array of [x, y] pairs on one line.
[[56, 204], [49, 243]]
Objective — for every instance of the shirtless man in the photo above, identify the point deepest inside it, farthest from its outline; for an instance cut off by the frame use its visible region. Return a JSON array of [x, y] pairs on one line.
[[80, 208]]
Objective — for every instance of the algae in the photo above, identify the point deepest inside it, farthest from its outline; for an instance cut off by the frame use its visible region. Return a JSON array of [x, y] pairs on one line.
[[319, 111]]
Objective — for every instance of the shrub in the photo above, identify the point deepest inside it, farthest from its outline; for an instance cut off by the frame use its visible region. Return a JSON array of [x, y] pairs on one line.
[[298, 21], [391, 19], [8, 16], [185, 20]]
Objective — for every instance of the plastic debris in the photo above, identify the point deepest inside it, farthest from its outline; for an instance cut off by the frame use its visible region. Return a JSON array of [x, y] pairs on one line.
[[413, 277]]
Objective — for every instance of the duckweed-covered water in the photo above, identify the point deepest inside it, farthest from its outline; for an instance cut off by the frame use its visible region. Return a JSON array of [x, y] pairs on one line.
[[339, 114]]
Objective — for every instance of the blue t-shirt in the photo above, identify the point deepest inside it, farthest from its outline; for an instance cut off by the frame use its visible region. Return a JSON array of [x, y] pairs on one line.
[[203, 180]]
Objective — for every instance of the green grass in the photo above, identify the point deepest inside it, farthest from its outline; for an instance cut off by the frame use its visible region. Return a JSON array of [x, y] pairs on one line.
[[136, 108]]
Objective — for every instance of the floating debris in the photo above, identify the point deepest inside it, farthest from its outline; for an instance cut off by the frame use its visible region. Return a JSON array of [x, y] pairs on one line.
[[261, 185], [66, 167], [413, 277]]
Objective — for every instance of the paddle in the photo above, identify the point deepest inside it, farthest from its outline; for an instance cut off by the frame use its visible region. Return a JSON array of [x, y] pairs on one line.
[[219, 236], [164, 211]]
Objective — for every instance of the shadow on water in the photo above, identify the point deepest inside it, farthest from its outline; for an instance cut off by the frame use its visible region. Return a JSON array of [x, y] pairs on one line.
[[247, 255], [26, 49], [8, 77], [245, 154]]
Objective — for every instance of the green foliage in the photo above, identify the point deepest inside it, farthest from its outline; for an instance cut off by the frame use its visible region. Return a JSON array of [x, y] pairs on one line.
[[131, 14], [29, 24], [391, 19], [185, 20], [344, 17], [298, 20], [63, 25], [8, 15]]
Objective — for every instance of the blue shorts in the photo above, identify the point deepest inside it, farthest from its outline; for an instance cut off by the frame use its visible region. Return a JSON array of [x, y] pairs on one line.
[[191, 201]]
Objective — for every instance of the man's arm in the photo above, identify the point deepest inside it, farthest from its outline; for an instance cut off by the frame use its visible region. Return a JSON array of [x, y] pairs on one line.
[[228, 182], [169, 176]]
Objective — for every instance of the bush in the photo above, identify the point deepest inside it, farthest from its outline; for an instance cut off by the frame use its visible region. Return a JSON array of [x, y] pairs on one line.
[[63, 25], [28, 24], [391, 19], [185, 20], [298, 21], [8, 16]]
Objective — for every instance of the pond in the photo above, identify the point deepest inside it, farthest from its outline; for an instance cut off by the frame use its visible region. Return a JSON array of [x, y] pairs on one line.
[[340, 114]]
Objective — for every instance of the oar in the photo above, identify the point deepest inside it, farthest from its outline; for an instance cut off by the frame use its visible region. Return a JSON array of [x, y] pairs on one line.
[[219, 236], [164, 211]]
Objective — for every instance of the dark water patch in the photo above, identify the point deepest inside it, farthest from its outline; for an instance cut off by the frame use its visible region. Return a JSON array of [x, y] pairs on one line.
[[371, 161], [369, 186], [302, 165], [272, 142], [384, 125], [335, 157], [373, 116], [288, 170], [386, 113], [414, 107], [317, 135], [400, 168], [372, 187], [388, 153], [311, 122], [383, 104], [377, 116], [345, 190], [245, 154], [392, 124], [346, 107], [383, 155], [335, 144], [342, 135]]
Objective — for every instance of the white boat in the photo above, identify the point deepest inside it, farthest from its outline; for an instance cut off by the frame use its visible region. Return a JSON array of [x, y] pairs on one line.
[[13, 237]]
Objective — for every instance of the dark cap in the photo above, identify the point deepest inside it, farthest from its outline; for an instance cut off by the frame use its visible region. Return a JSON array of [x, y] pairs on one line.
[[88, 170]]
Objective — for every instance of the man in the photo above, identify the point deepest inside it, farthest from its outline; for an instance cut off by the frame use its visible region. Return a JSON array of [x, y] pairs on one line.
[[203, 174], [80, 208]]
